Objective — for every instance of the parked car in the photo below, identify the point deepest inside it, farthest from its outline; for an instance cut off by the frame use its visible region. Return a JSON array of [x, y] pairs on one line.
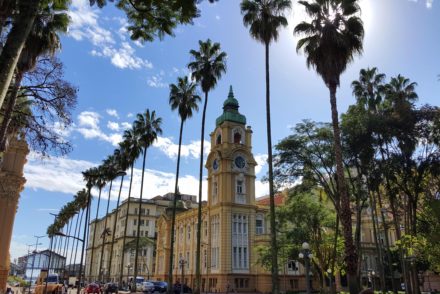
[[93, 288], [160, 286], [111, 288], [147, 287]]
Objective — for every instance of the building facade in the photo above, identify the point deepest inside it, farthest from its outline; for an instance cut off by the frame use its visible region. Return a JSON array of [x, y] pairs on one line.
[[32, 264], [121, 265], [233, 223]]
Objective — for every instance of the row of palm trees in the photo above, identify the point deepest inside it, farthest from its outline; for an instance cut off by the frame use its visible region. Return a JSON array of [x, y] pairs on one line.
[[329, 41]]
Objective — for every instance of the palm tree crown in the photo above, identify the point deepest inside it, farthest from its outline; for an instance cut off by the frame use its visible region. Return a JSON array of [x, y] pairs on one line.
[[209, 64], [147, 128], [368, 90], [264, 18], [183, 98], [332, 37]]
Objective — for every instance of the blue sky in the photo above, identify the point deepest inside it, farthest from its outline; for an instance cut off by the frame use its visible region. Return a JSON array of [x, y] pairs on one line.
[[118, 78]]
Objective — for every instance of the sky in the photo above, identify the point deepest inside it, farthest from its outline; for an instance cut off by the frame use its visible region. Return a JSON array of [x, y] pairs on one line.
[[118, 78]]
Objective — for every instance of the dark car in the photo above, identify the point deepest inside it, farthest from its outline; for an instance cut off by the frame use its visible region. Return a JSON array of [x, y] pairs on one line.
[[111, 288], [177, 288], [93, 288], [160, 286]]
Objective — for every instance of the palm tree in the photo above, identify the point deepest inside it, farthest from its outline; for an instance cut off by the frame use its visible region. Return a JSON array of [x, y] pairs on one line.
[[110, 173], [147, 127], [185, 100], [132, 148], [42, 40], [264, 18], [330, 41], [100, 183], [207, 67], [369, 88], [122, 163], [90, 176]]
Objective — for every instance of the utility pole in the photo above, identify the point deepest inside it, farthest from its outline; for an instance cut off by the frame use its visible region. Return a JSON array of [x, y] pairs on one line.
[[33, 260]]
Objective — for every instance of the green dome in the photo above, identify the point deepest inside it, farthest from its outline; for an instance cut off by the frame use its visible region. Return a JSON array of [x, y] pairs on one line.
[[230, 111]]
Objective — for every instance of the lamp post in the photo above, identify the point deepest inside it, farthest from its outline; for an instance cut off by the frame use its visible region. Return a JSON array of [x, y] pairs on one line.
[[129, 266], [373, 277], [182, 263], [306, 255], [330, 277], [33, 261]]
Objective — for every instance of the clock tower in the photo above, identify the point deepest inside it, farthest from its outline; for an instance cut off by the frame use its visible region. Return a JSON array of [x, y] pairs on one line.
[[230, 164]]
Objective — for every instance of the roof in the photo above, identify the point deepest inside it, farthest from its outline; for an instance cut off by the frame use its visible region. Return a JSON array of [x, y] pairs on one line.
[[280, 199], [230, 111]]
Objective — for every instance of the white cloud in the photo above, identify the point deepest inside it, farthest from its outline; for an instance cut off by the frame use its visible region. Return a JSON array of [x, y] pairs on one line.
[[55, 174], [261, 160], [114, 126], [428, 3], [112, 112], [130, 115], [156, 81], [88, 126], [217, 17], [85, 25], [126, 125], [170, 149], [60, 174], [261, 189]]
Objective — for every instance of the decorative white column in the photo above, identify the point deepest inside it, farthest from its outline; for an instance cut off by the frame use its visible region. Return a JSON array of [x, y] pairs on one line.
[[11, 184]]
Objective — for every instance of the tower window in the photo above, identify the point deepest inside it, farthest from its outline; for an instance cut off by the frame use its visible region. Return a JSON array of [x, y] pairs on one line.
[[219, 139], [237, 138], [239, 187]]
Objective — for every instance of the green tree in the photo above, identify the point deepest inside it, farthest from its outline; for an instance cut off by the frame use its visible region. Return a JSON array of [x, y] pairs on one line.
[[264, 19], [330, 41], [207, 67], [146, 127], [183, 97], [43, 39], [23, 20]]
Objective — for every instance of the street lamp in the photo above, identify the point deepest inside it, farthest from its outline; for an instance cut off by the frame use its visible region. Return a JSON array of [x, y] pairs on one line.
[[182, 263], [33, 261], [306, 255], [330, 277]]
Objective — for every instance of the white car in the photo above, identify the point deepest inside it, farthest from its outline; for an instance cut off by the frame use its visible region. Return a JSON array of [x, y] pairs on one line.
[[147, 287]]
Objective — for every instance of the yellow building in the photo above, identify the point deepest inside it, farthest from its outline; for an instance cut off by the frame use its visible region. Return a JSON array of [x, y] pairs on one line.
[[122, 263], [233, 224]]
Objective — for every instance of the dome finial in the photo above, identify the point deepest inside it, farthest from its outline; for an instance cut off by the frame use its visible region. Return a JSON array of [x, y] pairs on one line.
[[231, 93]]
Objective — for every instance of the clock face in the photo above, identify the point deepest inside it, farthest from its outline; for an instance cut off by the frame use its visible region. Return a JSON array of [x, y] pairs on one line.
[[215, 164], [240, 162]]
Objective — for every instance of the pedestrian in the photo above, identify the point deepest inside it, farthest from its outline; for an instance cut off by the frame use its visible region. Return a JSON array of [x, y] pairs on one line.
[[9, 291], [228, 286]]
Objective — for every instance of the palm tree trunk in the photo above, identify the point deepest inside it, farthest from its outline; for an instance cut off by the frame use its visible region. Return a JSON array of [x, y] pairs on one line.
[[335, 251], [378, 245], [139, 223], [173, 218], [199, 210], [86, 225], [114, 229], [12, 98], [121, 270], [73, 242], [345, 211], [77, 240], [101, 276], [94, 233], [273, 234], [15, 43]]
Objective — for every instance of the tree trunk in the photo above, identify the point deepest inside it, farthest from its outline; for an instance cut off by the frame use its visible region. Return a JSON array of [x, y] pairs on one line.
[[77, 240], [173, 218], [199, 210], [135, 273], [86, 225], [345, 213], [101, 276], [12, 99], [94, 233], [15, 43], [114, 229], [335, 247], [121, 269], [273, 234], [357, 237], [380, 265]]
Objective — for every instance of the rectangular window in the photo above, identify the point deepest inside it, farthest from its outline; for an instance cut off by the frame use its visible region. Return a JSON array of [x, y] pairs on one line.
[[134, 232], [188, 261], [240, 252], [239, 187], [135, 222], [135, 211]]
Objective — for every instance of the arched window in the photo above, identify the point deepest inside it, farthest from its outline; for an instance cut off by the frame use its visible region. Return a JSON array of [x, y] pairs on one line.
[[237, 138], [219, 139]]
